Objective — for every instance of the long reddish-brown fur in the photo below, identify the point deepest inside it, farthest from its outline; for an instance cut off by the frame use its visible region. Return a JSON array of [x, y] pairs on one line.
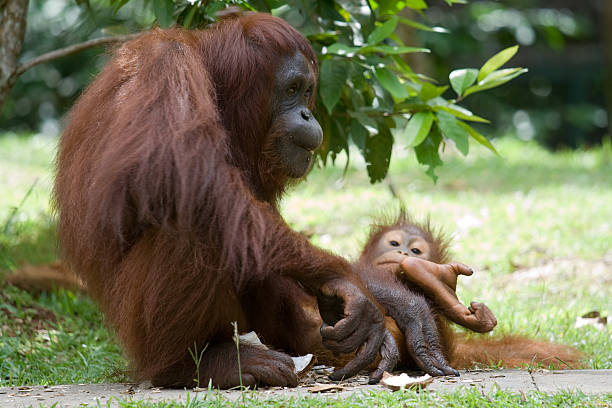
[[466, 352], [166, 194]]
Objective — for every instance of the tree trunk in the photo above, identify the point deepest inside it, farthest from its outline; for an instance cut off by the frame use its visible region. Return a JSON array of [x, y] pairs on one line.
[[13, 15], [606, 30]]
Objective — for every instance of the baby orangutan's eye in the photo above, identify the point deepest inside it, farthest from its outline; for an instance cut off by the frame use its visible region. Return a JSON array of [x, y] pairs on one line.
[[394, 243], [416, 251]]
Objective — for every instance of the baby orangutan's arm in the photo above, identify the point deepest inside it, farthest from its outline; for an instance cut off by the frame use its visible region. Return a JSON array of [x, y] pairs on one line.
[[439, 282]]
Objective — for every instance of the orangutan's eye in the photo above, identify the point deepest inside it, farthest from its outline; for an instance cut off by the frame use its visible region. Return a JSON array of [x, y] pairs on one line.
[[416, 251], [308, 92], [394, 243], [292, 90]]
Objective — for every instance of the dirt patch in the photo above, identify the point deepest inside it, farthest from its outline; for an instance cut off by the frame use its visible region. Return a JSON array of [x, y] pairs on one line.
[[564, 268], [562, 276], [22, 319]]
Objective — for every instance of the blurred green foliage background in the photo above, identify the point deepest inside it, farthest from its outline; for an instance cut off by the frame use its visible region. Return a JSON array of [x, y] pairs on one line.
[[561, 102]]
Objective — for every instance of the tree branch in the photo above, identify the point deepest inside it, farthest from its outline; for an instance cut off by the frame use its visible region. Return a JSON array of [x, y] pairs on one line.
[[71, 50]]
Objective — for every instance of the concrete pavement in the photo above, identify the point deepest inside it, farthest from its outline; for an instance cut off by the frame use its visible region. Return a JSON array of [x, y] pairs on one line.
[[587, 381]]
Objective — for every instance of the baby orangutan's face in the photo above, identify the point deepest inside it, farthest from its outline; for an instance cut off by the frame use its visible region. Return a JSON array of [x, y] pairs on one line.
[[404, 243]]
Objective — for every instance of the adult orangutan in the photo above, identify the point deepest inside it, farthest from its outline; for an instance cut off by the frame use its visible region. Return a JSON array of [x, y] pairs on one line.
[[415, 284], [168, 176]]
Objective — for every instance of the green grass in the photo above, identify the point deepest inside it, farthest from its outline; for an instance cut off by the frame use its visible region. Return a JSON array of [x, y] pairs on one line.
[[26, 177], [469, 398], [53, 338], [508, 216]]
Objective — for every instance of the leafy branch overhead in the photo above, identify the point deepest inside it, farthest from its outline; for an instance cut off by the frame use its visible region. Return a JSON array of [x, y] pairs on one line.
[[368, 95]]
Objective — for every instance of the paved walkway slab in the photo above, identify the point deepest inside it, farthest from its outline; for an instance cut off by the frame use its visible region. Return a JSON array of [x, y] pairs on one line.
[[587, 381]]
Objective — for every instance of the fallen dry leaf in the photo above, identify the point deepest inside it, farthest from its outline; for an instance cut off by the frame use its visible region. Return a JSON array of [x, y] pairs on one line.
[[404, 381], [593, 318], [303, 364], [252, 339], [326, 388]]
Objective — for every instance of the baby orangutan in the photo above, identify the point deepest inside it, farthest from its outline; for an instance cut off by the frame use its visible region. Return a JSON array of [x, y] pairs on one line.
[[418, 258], [416, 285]]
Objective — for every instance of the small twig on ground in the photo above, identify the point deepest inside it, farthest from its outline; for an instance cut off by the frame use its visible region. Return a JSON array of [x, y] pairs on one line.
[[237, 341]]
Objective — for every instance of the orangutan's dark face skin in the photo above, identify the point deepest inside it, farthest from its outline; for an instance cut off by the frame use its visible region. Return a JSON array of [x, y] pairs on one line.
[[295, 130]]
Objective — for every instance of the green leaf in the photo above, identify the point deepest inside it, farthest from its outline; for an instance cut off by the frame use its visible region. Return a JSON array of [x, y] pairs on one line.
[[461, 79], [359, 134], [189, 17], [163, 10], [496, 61], [337, 141], [461, 113], [488, 84], [416, 4], [406, 70], [323, 38], [342, 12], [213, 7], [325, 122], [332, 77], [117, 4], [342, 49], [427, 153], [501, 73], [418, 128], [260, 5], [378, 153], [383, 31], [423, 27], [272, 4], [390, 82], [430, 91], [391, 49], [388, 7], [450, 128], [364, 119], [478, 137]]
